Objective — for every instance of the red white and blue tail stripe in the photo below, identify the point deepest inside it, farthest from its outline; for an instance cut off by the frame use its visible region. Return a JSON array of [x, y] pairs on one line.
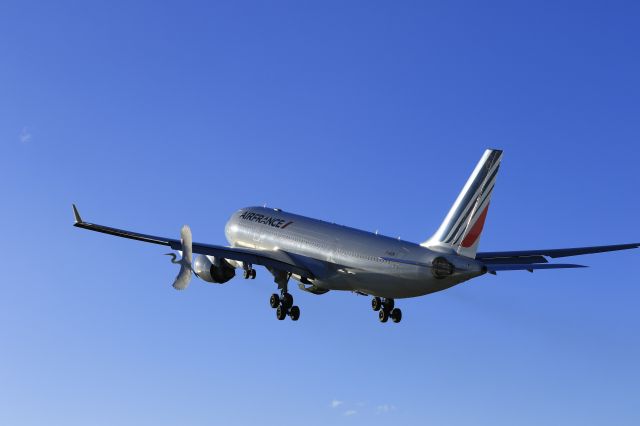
[[461, 229]]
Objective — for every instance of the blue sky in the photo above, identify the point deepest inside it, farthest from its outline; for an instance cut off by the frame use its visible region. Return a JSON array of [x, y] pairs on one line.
[[369, 114]]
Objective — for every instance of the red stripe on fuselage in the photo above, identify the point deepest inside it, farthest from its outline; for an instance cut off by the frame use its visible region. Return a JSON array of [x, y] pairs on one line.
[[476, 230]]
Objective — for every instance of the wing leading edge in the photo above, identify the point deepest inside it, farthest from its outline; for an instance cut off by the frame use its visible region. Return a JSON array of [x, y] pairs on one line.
[[272, 259]]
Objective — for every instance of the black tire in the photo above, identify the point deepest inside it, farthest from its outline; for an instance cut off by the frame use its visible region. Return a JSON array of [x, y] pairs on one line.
[[253, 274], [383, 315], [396, 315], [246, 274], [388, 304], [294, 313], [376, 304], [281, 312], [287, 300], [274, 300]]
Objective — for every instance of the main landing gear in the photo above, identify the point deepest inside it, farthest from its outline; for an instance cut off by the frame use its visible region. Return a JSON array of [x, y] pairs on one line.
[[385, 308], [284, 306]]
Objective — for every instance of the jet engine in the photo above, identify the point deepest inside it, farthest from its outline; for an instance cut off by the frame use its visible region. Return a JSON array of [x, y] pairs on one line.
[[213, 269]]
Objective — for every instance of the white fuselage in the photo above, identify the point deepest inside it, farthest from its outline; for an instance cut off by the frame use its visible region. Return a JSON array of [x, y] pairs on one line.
[[349, 259]]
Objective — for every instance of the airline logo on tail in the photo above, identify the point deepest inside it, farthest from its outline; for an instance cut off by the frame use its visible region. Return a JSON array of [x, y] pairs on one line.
[[475, 232]]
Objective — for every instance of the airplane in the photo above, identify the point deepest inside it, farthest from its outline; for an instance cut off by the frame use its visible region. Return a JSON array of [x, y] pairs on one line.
[[323, 256]]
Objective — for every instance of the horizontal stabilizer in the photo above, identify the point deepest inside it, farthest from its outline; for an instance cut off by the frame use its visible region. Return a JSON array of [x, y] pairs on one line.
[[529, 267]]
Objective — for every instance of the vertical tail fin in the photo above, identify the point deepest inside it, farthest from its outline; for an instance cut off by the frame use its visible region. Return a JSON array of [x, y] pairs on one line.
[[461, 228]]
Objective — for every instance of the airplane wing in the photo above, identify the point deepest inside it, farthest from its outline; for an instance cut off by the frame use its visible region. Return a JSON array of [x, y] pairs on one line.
[[554, 253], [493, 268], [279, 260], [537, 259]]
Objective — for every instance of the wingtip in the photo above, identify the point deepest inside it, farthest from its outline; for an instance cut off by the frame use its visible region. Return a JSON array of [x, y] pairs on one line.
[[76, 214]]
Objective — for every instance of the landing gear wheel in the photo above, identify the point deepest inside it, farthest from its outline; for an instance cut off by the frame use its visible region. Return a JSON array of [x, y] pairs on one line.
[[294, 313], [287, 300], [253, 274], [388, 304], [396, 315], [274, 301], [376, 303], [383, 316], [281, 312]]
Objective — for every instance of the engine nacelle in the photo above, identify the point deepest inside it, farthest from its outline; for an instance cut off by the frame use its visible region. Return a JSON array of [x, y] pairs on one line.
[[213, 269]]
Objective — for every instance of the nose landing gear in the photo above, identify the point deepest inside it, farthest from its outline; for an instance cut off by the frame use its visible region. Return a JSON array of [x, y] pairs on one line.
[[386, 309], [249, 273]]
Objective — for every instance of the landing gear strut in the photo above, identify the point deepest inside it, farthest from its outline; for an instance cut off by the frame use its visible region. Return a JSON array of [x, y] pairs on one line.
[[386, 309], [249, 273], [283, 303]]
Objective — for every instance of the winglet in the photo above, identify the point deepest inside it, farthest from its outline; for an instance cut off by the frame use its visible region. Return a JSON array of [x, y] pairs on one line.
[[76, 214]]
